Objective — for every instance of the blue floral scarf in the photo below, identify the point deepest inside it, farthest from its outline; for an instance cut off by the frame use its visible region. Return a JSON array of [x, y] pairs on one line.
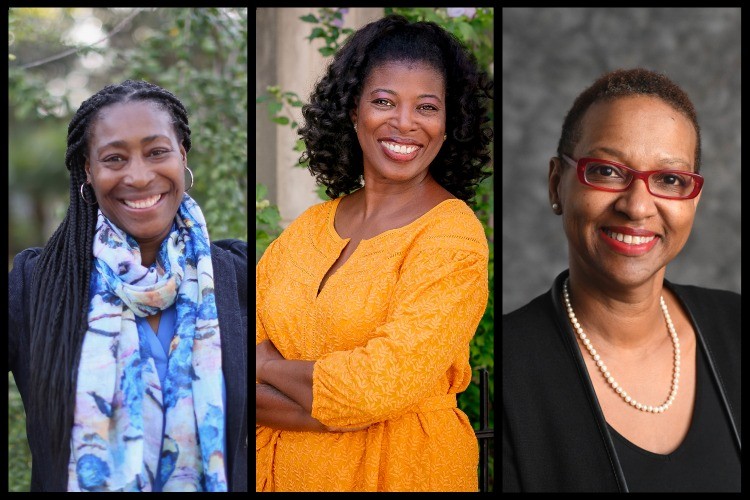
[[121, 409]]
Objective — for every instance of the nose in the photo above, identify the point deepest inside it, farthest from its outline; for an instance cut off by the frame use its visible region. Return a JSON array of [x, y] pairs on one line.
[[403, 119], [138, 173], [637, 203]]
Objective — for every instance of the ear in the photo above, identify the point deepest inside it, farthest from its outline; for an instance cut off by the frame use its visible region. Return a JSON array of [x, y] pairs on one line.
[[555, 176], [183, 155], [87, 169], [353, 113]]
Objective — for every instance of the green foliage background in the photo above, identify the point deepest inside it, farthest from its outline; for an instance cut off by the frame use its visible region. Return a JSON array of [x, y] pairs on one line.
[[200, 55], [476, 31]]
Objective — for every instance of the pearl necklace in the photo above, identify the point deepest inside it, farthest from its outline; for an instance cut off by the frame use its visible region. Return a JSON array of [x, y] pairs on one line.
[[610, 379]]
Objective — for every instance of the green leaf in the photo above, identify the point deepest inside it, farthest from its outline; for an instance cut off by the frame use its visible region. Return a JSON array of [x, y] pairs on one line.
[[318, 32], [281, 120], [467, 32], [274, 108], [327, 51], [309, 18]]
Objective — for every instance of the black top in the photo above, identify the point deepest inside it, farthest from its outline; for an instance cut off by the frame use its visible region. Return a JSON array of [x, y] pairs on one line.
[[229, 260], [706, 461], [555, 436]]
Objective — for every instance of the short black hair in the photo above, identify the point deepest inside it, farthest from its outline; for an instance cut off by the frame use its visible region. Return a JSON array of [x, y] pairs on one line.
[[61, 279], [332, 148], [624, 83]]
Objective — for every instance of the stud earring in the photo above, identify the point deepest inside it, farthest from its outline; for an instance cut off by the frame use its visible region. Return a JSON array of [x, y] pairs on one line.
[[355, 128], [445, 137], [555, 207]]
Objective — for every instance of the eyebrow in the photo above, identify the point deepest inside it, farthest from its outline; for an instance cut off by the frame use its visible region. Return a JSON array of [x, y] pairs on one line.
[[669, 160], [393, 92], [122, 144]]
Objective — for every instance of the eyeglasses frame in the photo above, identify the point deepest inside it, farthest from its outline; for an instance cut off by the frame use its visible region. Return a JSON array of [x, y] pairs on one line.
[[637, 174]]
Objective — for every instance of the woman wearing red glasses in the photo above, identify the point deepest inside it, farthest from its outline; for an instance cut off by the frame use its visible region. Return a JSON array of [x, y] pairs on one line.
[[617, 379]]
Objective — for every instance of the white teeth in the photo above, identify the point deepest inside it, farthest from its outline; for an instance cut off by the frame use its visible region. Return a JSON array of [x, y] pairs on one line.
[[629, 239], [398, 148], [148, 202]]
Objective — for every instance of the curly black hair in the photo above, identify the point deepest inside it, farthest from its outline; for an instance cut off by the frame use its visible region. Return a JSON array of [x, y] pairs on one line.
[[332, 148], [624, 83]]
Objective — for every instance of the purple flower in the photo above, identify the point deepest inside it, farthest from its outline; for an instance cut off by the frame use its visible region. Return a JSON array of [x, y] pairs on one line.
[[339, 23], [461, 11]]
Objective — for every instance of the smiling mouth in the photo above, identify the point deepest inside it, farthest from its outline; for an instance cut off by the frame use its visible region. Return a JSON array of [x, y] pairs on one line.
[[400, 148], [628, 239], [400, 152], [144, 203]]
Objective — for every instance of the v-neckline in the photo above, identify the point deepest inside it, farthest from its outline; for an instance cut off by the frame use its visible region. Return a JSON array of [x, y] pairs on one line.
[[344, 242]]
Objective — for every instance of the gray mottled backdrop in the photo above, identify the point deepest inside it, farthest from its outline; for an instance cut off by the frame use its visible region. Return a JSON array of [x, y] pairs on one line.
[[552, 55]]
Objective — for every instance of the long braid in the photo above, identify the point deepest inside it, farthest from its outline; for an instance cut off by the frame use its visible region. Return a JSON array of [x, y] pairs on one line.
[[61, 280]]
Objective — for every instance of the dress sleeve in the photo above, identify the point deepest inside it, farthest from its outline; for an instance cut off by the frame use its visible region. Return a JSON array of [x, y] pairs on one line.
[[437, 304], [261, 285]]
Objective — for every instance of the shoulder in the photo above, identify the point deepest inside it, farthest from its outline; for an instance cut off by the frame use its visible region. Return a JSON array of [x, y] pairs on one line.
[[229, 256], [717, 312], [231, 248], [313, 216], [23, 265], [712, 297], [452, 224], [533, 320]]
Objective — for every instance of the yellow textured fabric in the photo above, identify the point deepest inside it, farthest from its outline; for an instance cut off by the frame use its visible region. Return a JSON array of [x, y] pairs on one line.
[[390, 335]]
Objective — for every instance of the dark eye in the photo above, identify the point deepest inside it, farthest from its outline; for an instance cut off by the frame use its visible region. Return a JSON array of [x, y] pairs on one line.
[[113, 158], [673, 179], [604, 171], [428, 107], [159, 152], [382, 102]]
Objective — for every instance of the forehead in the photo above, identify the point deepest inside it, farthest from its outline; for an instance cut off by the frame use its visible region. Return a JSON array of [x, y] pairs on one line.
[[638, 122], [130, 119], [406, 75]]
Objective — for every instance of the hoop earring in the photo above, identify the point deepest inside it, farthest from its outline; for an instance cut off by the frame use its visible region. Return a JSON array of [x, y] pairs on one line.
[[84, 197], [192, 181]]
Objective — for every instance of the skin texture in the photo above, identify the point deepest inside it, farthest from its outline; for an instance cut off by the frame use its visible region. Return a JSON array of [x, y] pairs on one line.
[[132, 169], [616, 297], [398, 100]]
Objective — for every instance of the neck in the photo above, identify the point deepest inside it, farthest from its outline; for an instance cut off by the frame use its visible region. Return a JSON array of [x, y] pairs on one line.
[[150, 248], [626, 317], [386, 198]]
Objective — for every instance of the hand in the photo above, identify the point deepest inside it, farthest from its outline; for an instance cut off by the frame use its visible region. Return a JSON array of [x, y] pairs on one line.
[[265, 352]]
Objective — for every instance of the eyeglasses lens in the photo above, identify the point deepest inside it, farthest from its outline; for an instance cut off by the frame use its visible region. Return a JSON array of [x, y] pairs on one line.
[[669, 184]]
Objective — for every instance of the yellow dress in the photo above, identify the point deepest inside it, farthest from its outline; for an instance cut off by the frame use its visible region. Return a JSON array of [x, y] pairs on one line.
[[390, 335]]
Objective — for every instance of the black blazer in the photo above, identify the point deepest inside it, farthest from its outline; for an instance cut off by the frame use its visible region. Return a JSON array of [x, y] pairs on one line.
[[555, 437], [229, 259]]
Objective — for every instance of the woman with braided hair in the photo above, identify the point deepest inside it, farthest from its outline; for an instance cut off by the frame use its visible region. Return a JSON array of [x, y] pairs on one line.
[[128, 359]]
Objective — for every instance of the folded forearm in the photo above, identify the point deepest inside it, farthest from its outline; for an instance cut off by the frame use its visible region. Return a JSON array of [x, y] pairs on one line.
[[275, 410]]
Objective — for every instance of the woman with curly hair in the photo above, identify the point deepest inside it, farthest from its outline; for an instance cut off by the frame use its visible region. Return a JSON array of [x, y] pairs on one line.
[[365, 305]]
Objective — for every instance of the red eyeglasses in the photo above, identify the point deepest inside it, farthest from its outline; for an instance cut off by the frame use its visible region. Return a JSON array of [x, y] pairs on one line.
[[607, 175]]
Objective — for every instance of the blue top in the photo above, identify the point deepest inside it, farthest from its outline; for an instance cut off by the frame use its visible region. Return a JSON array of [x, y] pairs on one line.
[[159, 344]]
